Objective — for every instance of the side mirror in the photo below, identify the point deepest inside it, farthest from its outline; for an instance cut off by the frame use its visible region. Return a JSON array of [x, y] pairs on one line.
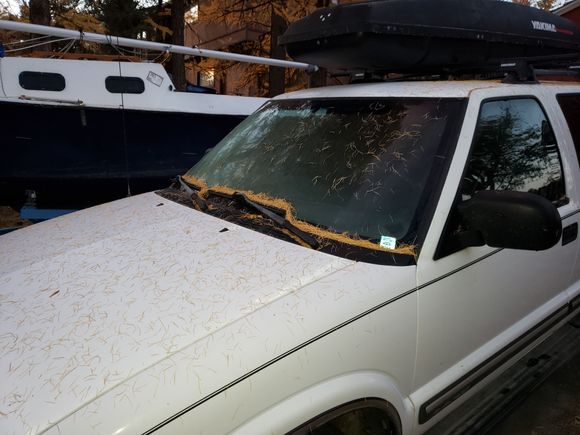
[[506, 219]]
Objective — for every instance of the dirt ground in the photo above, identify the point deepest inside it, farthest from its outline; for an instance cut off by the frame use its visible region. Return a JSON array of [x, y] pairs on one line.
[[10, 218], [553, 409]]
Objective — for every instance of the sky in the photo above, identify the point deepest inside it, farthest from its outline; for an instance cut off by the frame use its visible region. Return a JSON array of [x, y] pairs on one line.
[[11, 5]]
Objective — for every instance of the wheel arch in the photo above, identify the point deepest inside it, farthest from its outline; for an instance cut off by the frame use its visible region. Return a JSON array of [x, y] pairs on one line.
[[328, 396]]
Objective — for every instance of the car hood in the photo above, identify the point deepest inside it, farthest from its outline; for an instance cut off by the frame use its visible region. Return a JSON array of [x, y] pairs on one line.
[[91, 299]]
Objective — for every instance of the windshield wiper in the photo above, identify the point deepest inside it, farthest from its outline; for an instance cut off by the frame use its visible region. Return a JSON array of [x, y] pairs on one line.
[[281, 221], [195, 197]]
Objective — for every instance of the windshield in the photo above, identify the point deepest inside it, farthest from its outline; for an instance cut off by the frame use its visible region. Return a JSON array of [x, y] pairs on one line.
[[354, 166]]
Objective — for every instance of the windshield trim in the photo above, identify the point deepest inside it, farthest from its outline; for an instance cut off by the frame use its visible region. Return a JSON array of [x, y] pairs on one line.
[[423, 214]]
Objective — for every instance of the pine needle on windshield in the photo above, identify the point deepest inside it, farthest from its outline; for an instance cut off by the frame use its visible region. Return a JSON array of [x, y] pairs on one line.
[[288, 209]]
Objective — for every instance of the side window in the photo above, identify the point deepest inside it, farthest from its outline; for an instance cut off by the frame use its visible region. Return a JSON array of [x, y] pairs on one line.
[[368, 416], [515, 149], [41, 81], [570, 105], [124, 85]]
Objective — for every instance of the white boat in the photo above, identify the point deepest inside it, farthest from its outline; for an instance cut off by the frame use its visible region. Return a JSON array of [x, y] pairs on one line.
[[81, 132]]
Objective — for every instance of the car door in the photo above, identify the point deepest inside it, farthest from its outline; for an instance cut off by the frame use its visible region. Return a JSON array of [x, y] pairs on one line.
[[566, 109], [476, 304]]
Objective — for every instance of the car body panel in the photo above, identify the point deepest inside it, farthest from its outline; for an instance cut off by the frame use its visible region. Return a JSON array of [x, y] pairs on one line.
[[146, 316], [146, 281], [224, 379], [489, 296], [326, 395]]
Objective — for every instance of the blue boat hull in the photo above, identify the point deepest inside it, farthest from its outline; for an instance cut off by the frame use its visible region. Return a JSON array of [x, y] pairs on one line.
[[81, 156]]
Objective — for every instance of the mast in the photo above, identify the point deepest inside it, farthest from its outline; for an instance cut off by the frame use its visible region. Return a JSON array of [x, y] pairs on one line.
[[148, 45]]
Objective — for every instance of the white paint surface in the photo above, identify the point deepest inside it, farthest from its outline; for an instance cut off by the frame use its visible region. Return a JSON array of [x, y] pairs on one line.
[[121, 316], [90, 299], [85, 82]]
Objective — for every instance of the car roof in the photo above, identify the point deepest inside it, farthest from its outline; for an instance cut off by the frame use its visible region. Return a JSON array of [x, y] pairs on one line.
[[415, 89]]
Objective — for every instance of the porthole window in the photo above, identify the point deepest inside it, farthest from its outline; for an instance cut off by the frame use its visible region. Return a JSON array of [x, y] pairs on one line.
[[41, 81], [124, 85]]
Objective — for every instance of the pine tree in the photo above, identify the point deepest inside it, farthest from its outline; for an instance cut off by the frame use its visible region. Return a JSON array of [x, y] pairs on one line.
[[121, 17]]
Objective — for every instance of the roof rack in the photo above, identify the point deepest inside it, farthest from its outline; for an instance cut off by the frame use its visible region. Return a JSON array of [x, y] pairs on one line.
[[526, 70], [514, 71]]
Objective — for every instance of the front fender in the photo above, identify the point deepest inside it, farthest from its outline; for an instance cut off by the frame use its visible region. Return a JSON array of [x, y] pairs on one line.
[[326, 395]]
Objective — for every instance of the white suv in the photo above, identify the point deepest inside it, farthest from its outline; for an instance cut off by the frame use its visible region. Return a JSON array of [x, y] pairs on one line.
[[352, 258]]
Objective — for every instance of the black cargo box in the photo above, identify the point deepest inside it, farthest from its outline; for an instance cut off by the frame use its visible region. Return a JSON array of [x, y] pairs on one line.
[[428, 35]]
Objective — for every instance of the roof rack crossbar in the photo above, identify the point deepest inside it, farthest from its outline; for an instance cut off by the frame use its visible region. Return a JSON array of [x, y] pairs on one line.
[[558, 72]]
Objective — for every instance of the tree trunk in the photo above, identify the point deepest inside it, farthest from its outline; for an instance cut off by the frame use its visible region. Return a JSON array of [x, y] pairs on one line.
[[178, 27], [158, 32], [39, 13], [276, 74]]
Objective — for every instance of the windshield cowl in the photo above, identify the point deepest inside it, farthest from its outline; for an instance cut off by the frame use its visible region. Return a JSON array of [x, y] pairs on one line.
[[229, 210]]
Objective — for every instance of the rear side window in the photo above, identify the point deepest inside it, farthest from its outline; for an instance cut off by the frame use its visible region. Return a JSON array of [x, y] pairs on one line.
[[41, 81], [514, 149], [570, 105], [124, 85]]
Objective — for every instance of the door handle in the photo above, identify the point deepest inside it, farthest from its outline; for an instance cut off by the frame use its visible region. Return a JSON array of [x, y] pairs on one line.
[[569, 233]]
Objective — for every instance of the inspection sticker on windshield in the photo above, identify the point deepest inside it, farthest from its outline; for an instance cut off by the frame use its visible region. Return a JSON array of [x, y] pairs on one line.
[[388, 242]]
